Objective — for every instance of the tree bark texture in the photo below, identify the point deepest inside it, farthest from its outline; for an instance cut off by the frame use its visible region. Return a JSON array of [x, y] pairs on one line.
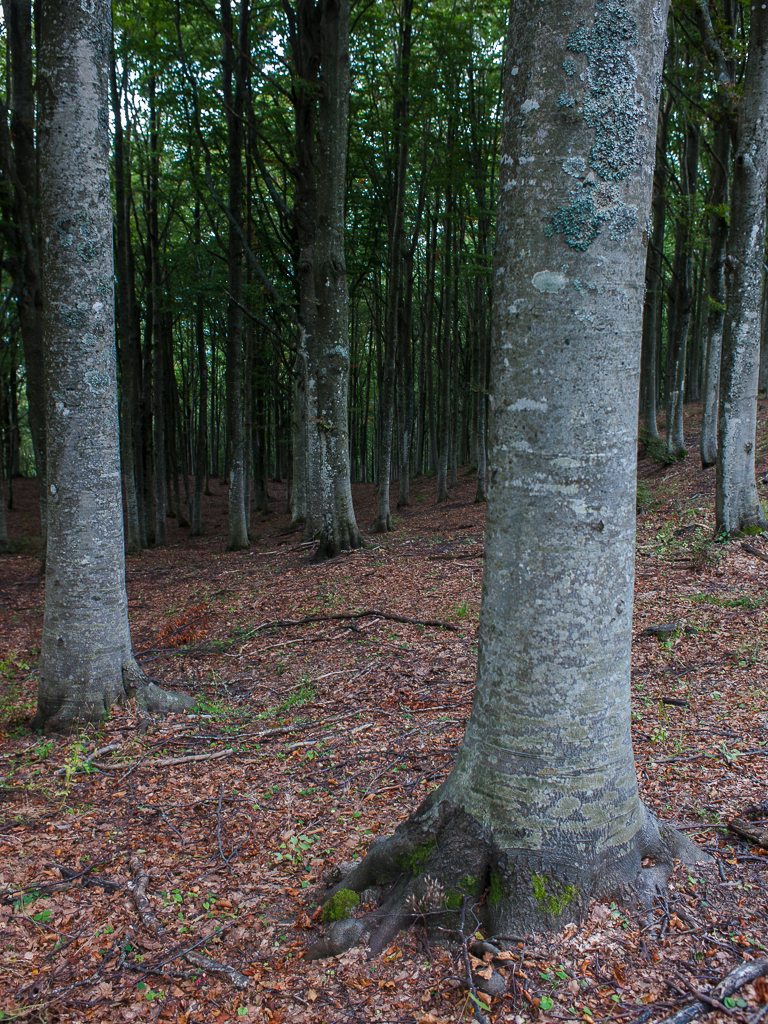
[[654, 282], [86, 660], [234, 101], [681, 293], [541, 811], [737, 505], [125, 333], [399, 152], [718, 242], [19, 160], [331, 516]]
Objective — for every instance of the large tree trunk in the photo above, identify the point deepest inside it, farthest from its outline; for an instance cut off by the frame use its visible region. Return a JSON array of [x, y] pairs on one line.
[[86, 661], [541, 811], [737, 505]]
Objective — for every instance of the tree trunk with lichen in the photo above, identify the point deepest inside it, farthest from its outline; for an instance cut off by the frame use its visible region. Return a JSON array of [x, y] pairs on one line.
[[86, 659], [541, 811], [737, 503]]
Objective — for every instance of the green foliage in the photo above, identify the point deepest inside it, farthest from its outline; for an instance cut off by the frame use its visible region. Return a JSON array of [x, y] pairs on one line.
[[340, 905]]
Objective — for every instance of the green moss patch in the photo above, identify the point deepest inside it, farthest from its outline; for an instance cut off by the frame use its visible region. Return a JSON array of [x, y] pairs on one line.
[[340, 905]]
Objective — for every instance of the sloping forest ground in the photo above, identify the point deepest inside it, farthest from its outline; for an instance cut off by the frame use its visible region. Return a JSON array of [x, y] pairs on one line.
[[314, 736]]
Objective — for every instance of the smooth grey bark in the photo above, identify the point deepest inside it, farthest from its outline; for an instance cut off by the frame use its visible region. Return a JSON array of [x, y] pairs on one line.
[[234, 102], [541, 811], [654, 282], [330, 513], [86, 661], [737, 505], [718, 224], [718, 242], [446, 341], [19, 166], [201, 444], [681, 293], [155, 325], [125, 334]]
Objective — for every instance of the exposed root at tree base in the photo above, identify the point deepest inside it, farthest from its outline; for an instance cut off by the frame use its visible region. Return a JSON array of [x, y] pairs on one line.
[[82, 702], [441, 861]]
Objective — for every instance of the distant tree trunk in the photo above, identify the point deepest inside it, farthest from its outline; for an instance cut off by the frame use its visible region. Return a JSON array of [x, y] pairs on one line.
[[654, 282], [19, 160], [86, 660], [125, 331], [401, 90], [737, 505], [446, 335], [4, 543], [201, 447], [158, 411], [331, 516], [234, 102], [681, 293], [718, 223]]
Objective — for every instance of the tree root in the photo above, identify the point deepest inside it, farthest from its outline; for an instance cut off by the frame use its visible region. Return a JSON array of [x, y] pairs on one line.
[[442, 860]]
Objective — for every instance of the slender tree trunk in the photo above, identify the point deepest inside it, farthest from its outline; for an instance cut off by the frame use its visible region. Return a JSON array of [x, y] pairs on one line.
[[737, 504], [234, 101], [681, 294], [654, 282], [125, 334], [19, 159], [387, 442], [201, 447], [444, 441]]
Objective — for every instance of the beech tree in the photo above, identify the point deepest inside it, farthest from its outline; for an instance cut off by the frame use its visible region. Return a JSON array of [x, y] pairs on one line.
[[737, 505], [542, 811], [86, 659]]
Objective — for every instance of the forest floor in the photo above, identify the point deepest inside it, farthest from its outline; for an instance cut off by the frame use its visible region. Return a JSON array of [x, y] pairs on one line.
[[313, 737]]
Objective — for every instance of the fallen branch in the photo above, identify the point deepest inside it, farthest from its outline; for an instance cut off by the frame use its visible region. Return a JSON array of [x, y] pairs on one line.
[[758, 836], [138, 890], [741, 975], [214, 967], [339, 616], [166, 762], [755, 551]]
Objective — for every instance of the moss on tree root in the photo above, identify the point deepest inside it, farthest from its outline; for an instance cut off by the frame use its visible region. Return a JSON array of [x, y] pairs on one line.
[[442, 860]]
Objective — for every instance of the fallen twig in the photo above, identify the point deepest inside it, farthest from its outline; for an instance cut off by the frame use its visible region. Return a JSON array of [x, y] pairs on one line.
[[138, 891], [214, 967], [741, 975], [166, 762], [339, 616]]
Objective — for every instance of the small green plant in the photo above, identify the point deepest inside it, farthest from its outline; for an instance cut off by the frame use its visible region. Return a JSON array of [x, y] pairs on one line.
[[462, 612], [293, 851]]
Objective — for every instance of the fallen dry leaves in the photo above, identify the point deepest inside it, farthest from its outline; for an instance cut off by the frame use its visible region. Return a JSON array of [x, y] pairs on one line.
[[314, 737]]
